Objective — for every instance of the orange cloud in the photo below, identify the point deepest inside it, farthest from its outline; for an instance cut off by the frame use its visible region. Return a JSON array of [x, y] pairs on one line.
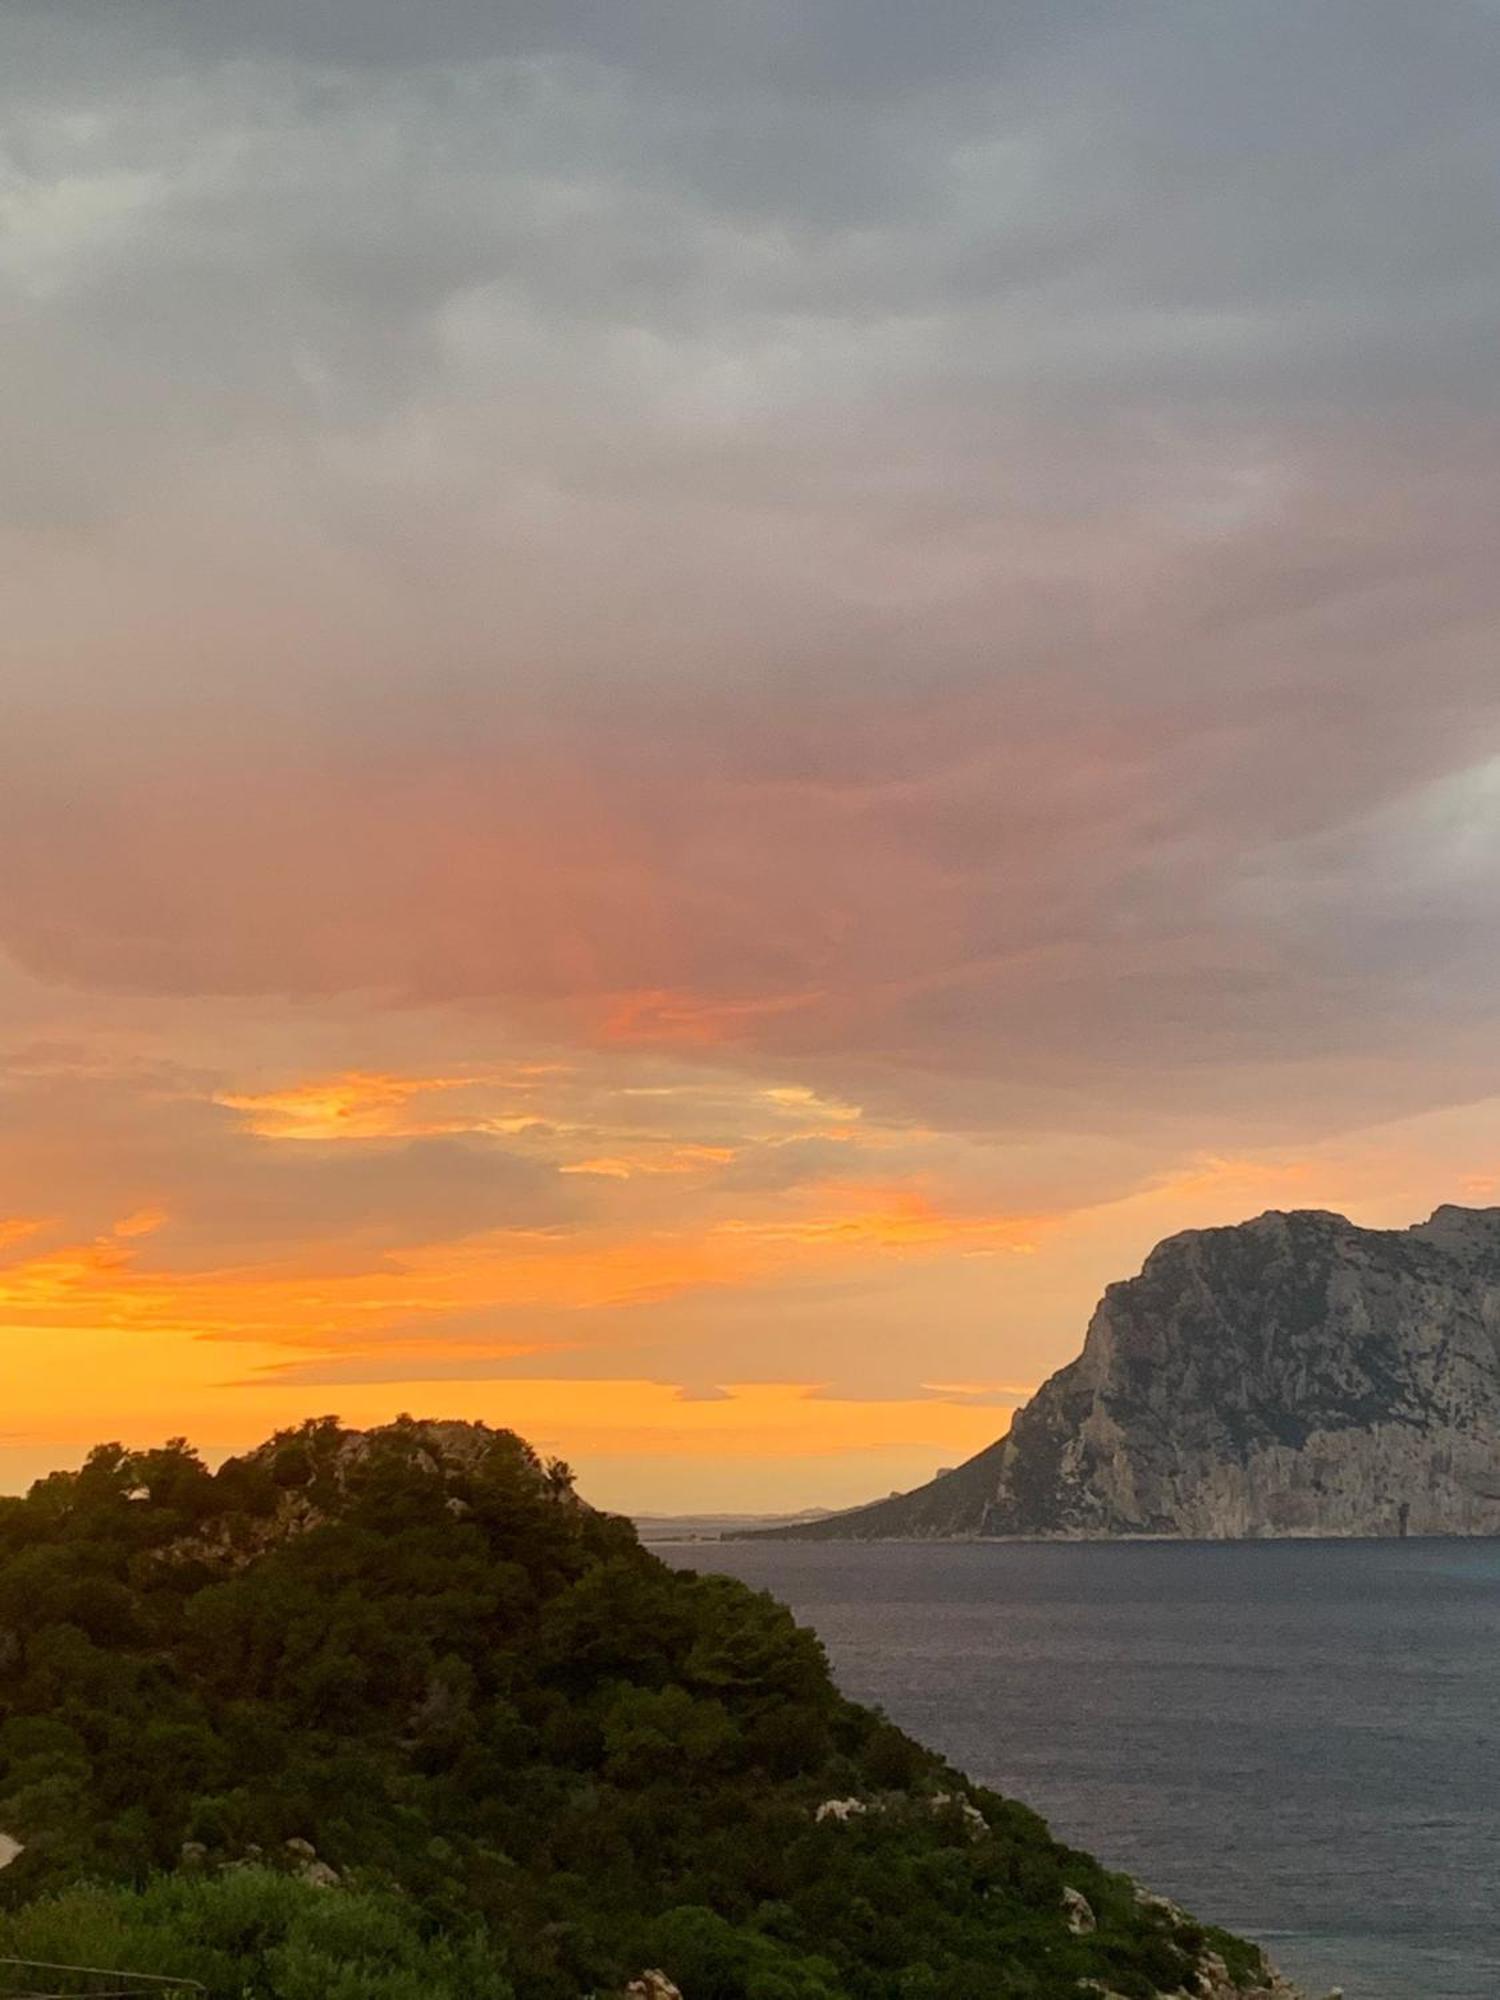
[[1248, 1177], [691, 1020], [356, 1105], [870, 1216], [674, 1160], [573, 1119], [142, 1222], [58, 1279], [821, 1116], [345, 1308], [1010, 1389]]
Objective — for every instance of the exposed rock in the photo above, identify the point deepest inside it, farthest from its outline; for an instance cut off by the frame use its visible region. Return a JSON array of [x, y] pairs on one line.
[[10, 1850], [1212, 1976], [653, 1985], [1149, 1900], [1215, 1983], [1212, 1981], [1294, 1375], [1080, 1912], [309, 1868], [975, 1823], [318, 1466], [193, 1854], [840, 1810]]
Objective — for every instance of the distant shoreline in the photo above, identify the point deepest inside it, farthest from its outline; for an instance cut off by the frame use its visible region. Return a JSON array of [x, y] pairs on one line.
[[1060, 1541]]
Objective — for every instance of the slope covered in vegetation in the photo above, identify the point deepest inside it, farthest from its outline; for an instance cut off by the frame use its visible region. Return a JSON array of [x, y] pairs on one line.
[[531, 1759]]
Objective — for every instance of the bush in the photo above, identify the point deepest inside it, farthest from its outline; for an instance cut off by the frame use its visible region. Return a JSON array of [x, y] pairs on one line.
[[252, 1934]]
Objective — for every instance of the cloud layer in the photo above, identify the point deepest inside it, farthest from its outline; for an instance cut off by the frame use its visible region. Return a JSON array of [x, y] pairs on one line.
[[941, 561]]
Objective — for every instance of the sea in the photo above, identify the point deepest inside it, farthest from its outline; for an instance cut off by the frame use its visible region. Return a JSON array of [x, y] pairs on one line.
[[1297, 1740]]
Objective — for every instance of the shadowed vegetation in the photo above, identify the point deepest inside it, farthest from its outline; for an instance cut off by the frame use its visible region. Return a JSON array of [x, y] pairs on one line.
[[531, 1758]]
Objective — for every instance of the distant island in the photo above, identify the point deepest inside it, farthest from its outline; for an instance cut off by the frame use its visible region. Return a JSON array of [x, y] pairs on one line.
[[1292, 1375], [716, 1527], [395, 1714]]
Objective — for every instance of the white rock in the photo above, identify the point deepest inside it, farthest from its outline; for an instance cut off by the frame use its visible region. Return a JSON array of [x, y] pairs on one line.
[[653, 1985], [974, 1820], [1080, 1912]]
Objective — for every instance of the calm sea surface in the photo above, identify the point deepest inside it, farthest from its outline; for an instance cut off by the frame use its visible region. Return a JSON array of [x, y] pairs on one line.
[[1300, 1740]]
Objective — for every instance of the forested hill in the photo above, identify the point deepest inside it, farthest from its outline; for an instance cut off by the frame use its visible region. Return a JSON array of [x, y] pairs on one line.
[[396, 1715]]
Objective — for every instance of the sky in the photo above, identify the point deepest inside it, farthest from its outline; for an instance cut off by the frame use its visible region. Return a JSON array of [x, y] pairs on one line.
[[701, 706]]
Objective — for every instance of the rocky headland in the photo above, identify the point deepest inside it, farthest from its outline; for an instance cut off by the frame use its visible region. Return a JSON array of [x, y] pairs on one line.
[[1292, 1375]]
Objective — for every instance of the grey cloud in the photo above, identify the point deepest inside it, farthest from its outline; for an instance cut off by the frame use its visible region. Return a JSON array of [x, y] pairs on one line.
[[819, 46], [966, 514], [1186, 196]]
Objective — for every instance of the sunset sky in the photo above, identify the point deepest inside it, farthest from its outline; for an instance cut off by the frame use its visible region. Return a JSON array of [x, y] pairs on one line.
[[701, 705]]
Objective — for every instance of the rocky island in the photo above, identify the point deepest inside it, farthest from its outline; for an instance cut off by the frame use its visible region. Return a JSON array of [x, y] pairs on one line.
[[1292, 1375]]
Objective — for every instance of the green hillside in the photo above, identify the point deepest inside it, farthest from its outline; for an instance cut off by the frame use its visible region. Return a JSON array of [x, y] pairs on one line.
[[369, 1717]]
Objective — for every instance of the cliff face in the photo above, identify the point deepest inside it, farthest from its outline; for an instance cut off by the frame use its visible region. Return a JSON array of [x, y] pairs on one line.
[[1294, 1375]]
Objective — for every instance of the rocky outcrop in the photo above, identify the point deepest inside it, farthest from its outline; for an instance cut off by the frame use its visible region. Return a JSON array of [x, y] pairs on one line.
[[1214, 1981], [653, 1984], [304, 1478], [1079, 1913], [1211, 1978], [1294, 1375]]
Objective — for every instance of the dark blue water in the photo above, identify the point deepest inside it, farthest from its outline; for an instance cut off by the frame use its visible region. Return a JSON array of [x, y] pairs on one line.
[[1300, 1740]]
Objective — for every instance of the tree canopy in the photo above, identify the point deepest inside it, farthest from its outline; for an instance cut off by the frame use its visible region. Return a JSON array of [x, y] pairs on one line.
[[397, 1713]]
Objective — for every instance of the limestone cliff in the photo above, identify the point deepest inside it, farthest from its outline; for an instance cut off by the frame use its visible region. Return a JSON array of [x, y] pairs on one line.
[[1294, 1375]]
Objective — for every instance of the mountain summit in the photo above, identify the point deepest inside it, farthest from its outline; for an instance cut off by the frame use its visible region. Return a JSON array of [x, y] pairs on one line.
[[1293, 1375]]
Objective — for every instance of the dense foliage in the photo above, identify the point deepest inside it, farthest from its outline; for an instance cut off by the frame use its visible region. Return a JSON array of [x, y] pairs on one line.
[[252, 1931], [538, 1759]]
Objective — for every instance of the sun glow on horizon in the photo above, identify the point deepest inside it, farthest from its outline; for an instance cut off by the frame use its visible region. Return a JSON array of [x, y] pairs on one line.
[[654, 1219]]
